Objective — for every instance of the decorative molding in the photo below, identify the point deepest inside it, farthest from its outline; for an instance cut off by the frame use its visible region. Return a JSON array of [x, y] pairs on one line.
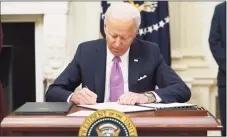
[[55, 41], [31, 8], [196, 73], [20, 18]]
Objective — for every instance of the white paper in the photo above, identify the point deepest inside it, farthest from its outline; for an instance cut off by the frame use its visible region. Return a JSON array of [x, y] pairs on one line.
[[118, 107], [169, 105], [82, 113]]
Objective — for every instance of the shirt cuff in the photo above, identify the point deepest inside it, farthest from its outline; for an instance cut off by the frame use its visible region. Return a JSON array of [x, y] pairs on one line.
[[68, 100], [158, 99]]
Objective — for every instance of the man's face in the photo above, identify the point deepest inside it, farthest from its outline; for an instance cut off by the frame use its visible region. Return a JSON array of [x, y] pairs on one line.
[[119, 35]]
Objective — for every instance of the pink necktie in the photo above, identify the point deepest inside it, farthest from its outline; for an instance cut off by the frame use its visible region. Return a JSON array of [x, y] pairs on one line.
[[116, 80]]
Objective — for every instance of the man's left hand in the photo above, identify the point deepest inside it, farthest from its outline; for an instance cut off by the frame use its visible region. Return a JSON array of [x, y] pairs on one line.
[[131, 98]]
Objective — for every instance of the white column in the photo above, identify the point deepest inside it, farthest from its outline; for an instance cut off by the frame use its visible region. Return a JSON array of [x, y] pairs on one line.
[[83, 24], [190, 25], [55, 18], [55, 45], [185, 26], [175, 33]]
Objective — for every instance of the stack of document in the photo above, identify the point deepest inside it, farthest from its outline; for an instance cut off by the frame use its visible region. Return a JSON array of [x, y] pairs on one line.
[[170, 105], [128, 108], [136, 108], [118, 107]]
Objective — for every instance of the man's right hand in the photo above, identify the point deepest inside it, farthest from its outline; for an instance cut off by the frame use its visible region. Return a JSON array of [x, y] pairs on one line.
[[84, 97]]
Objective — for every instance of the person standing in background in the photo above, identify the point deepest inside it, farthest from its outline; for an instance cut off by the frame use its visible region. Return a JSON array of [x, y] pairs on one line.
[[217, 41], [1, 37], [3, 108]]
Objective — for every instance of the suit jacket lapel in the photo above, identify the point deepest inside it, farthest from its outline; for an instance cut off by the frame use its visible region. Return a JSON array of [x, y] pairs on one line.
[[135, 62], [100, 71]]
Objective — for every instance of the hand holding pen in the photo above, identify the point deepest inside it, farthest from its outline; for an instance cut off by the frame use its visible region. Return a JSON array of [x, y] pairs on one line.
[[84, 97]]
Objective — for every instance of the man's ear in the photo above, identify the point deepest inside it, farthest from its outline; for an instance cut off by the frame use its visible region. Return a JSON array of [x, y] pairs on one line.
[[104, 27]]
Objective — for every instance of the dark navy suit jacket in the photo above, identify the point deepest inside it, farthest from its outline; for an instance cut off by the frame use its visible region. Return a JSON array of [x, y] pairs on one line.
[[89, 68], [217, 40]]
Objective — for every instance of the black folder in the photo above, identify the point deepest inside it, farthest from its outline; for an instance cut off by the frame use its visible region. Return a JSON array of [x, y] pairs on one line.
[[44, 108]]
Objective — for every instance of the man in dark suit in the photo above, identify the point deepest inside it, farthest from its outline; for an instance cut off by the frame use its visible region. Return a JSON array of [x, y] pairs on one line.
[[1, 37], [3, 109], [119, 69], [217, 41]]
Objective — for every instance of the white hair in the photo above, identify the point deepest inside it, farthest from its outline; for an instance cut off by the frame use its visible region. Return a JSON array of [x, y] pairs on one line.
[[123, 10]]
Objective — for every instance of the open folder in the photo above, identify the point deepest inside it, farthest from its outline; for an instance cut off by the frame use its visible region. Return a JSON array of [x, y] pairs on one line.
[[118, 107], [159, 106], [140, 107]]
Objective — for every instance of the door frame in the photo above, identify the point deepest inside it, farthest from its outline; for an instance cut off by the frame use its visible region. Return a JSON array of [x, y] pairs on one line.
[[39, 47]]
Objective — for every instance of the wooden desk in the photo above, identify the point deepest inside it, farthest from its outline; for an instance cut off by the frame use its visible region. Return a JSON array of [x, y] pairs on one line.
[[175, 122]]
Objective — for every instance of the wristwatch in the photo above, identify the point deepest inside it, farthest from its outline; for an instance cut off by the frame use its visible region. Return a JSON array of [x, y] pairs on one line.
[[150, 96]]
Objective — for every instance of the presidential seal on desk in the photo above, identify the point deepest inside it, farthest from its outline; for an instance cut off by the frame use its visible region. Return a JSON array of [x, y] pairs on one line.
[[107, 122]]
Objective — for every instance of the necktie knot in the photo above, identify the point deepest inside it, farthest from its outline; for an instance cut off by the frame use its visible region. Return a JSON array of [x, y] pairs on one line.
[[116, 59]]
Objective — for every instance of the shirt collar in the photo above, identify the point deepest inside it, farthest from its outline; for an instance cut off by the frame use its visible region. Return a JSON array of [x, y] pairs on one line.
[[124, 57]]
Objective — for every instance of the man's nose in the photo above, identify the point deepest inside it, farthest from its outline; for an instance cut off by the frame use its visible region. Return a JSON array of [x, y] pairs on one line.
[[118, 42]]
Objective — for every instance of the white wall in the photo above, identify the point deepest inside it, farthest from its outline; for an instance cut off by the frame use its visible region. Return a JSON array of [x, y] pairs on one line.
[[83, 24], [190, 26]]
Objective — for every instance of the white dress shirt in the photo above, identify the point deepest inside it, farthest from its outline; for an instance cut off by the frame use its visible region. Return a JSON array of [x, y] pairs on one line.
[[124, 68]]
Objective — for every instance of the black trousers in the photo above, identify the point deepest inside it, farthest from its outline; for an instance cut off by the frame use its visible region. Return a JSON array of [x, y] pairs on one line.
[[222, 106]]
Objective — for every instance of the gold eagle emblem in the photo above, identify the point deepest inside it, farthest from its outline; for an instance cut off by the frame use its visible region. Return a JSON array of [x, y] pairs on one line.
[[146, 6], [108, 129]]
